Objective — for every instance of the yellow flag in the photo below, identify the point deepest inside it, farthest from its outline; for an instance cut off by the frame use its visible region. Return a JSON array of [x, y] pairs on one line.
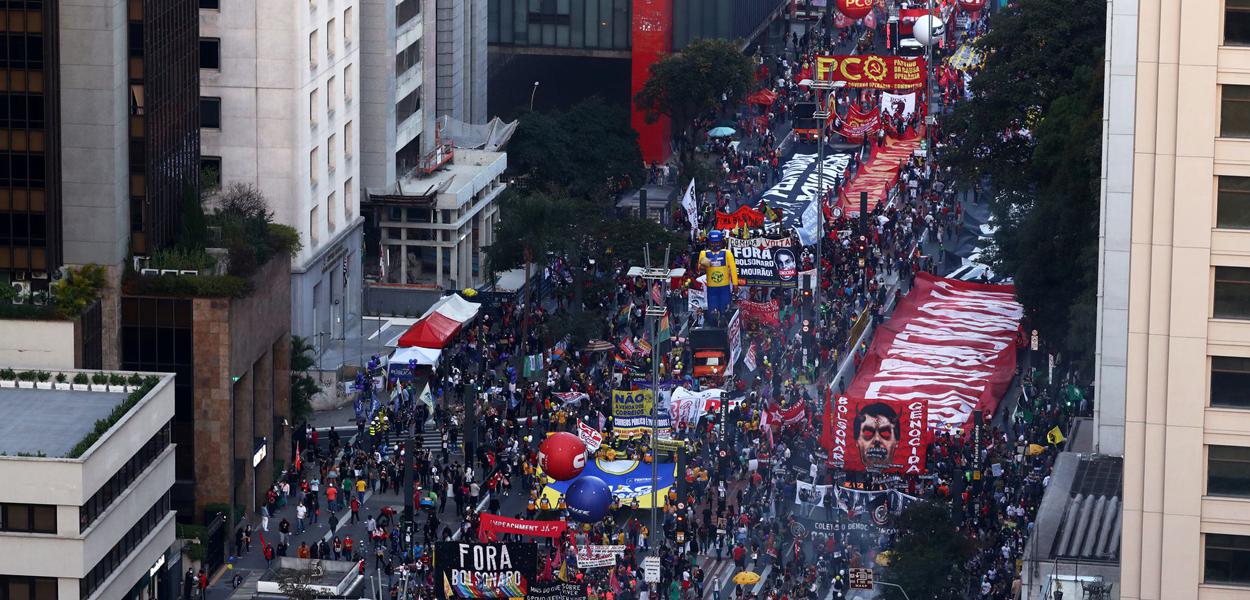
[[1054, 436], [1035, 449]]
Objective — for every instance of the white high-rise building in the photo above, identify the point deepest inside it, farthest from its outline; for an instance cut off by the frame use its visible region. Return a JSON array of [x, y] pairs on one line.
[[281, 110]]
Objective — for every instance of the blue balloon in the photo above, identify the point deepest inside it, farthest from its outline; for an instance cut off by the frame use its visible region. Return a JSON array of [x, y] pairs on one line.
[[588, 499]]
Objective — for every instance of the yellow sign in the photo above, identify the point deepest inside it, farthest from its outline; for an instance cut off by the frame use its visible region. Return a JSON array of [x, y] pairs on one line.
[[1054, 436]]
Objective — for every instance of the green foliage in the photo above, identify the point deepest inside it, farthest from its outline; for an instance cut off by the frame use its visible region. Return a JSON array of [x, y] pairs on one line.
[[201, 286], [190, 532], [81, 379], [928, 557], [61, 378], [689, 83], [303, 386], [8, 374], [7, 293], [26, 376], [102, 425], [183, 258], [1043, 71], [43, 376], [589, 151], [99, 378], [192, 222], [284, 239], [78, 290], [531, 224]]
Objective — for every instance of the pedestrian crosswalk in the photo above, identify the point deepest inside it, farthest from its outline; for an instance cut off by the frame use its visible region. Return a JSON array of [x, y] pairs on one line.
[[718, 575]]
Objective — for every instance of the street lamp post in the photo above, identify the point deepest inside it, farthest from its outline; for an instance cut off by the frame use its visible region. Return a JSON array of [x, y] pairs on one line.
[[655, 312], [533, 92], [822, 117]]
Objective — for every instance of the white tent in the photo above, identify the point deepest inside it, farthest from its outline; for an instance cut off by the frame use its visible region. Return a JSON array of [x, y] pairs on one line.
[[423, 356], [454, 307]]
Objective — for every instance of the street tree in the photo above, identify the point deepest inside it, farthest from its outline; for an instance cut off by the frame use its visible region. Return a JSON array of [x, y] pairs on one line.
[[589, 151], [303, 386], [706, 75], [928, 557], [1033, 129]]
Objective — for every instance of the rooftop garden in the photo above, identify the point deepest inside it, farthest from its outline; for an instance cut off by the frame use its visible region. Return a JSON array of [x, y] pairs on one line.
[[71, 293], [219, 251]]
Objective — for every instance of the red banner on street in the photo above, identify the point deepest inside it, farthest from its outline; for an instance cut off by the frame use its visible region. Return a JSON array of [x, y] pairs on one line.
[[859, 123], [952, 343], [872, 71], [792, 415], [745, 215], [877, 435], [764, 313], [492, 525]]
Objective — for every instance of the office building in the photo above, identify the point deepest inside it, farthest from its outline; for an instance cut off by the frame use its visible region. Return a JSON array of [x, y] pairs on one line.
[[1173, 354], [85, 513], [429, 202], [281, 111]]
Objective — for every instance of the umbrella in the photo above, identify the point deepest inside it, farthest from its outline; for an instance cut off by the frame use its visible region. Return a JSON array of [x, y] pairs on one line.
[[717, 132], [747, 578]]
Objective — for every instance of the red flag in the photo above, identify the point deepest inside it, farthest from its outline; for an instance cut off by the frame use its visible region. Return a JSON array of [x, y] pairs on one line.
[[298, 460]]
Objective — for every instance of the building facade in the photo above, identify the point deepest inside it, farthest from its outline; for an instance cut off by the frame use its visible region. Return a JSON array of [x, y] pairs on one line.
[[99, 524], [1173, 356], [281, 110]]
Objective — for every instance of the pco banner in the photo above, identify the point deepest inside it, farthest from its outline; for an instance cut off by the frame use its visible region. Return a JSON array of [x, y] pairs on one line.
[[476, 570], [873, 71]]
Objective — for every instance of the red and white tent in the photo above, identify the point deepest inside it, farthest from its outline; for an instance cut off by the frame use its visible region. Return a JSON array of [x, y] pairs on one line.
[[440, 323]]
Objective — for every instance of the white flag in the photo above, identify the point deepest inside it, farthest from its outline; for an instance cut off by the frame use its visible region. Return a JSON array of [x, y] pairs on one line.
[[692, 208]]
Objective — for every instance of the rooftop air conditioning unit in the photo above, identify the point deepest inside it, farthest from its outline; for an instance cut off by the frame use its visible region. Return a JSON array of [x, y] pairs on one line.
[[141, 262], [150, 272], [191, 272], [22, 289], [39, 275], [169, 271]]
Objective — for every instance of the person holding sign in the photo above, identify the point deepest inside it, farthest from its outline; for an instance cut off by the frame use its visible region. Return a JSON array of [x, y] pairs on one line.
[[722, 272]]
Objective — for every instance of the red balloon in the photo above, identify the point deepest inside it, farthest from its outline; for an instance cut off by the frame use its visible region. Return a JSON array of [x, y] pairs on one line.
[[972, 5], [562, 456], [855, 9]]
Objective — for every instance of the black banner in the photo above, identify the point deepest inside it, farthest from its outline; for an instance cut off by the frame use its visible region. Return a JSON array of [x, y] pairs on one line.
[[799, 184], [765, 261], [477, 570], [557, 590]]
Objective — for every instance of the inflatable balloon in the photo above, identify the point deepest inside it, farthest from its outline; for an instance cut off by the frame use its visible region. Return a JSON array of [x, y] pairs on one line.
[[855, 9], [928, 30], [588, 499], [562, 456], [972, 5]]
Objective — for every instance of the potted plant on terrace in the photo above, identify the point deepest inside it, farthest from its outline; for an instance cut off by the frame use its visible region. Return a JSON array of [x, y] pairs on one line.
[[133, 382], [99, 382], [81, 382], [62, 382], [117, 383], [43, 380], [8, 378], [26, 379]]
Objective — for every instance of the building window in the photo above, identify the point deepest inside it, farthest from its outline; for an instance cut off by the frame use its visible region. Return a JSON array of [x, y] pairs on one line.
[[1232, 208], [331, 93], [28, 518], [1228, 471], [1232, 293], [314, 221], [1227, 559], [210, 171], [349, 195], [349, 23], [408, 106], [347, 84], [1237, 22], [112, 489], [347, 139], [312, 50], [407, 58], [330, 29], [331, 152], [313, 107], [405, 10], [313, 165], [210, 4], [1230, 382], [17, 587], [1235, 111], [124, 547], [210, 53], [331, 209], [210, 112]]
